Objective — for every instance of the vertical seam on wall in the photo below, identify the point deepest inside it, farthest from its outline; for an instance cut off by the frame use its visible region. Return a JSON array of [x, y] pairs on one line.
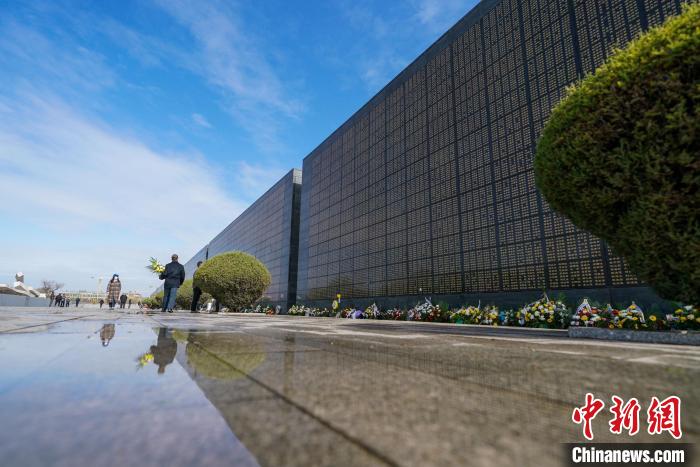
[[643, 20], [533, 142], [492, 168], [457, 174], [430, 174], [386, 202], [575, 39], [405, 176]]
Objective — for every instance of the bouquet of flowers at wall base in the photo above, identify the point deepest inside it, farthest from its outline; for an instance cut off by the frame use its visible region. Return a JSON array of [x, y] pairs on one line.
[[630, 318], [591, 316], [684, 317], [321, 313], [508, 318], [544, 313], [258, 309], [397, 314], [372, 312], [297, 310], [463, 315], [424, 312], [490, 315], [345, 312], [155, 267], [355, 313]]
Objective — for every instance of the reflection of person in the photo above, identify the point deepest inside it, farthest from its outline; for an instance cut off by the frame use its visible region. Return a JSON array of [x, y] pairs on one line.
[[106, 334], [174, 276], [114, 288], [164, 352], [196, 293]]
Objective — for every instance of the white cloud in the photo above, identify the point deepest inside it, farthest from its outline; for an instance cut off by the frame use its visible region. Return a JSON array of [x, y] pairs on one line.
[[200, 120], [439, 15], [257, 179], [69, 67], [233, 60], [107, 200]]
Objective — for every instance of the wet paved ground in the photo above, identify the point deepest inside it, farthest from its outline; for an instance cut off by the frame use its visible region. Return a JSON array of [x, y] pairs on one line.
[[92, 387]]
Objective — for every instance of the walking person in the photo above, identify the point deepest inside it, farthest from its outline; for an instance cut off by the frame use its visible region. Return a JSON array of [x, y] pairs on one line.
[[77, 302], [122, 301], [196, 293], [102, 302], [51, 298], [114, 288], [174, 276], [68, 302], [129, 303]]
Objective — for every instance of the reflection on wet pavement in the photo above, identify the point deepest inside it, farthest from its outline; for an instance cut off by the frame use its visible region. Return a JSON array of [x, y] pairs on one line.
[[256, 390]]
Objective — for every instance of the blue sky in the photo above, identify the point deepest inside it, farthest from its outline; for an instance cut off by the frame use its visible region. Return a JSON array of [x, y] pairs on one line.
[[131, 129]]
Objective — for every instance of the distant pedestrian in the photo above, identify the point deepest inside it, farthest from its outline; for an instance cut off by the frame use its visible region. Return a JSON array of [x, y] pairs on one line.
[[51, 298], [68, 302], [174, 276], [129, 303], [196, 293], [77, 302], [122, 301], [102, 302], [57, 300], [114, 288], [140, 306]]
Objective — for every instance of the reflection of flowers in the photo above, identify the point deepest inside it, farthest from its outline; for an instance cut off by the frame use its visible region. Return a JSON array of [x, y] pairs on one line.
[[144, 359]]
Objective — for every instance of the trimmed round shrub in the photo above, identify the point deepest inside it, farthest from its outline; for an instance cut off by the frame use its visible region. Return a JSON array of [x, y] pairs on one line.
[[235, 279], [154, 301], [620, 156], [185, 294], [231, 356]]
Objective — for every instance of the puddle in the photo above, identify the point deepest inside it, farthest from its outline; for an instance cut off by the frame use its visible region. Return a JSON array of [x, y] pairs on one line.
[[128, 391]]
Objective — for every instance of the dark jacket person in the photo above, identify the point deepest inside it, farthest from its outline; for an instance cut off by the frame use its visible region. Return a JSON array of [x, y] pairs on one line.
[[164, 352], [174, 276]]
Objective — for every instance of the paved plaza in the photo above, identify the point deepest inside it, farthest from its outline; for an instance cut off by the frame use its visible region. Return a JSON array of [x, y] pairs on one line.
[[93, 387]]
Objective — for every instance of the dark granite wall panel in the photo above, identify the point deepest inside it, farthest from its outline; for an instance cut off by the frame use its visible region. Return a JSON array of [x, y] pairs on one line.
[[429, 187]]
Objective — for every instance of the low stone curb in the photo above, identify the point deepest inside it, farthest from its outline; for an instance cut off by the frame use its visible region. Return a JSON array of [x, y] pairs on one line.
[[628, 335]]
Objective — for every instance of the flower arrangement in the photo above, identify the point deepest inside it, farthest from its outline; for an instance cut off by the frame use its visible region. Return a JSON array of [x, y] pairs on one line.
[[422, 311], [685, 317], [372, 312], [630, 318], [321, 312], [155, 267], [264, 309], [544, 313], [297, 310], [587, 315], [397, 314]]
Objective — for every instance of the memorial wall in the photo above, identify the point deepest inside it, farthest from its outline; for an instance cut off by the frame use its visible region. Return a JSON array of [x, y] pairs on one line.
[[429, 188]]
